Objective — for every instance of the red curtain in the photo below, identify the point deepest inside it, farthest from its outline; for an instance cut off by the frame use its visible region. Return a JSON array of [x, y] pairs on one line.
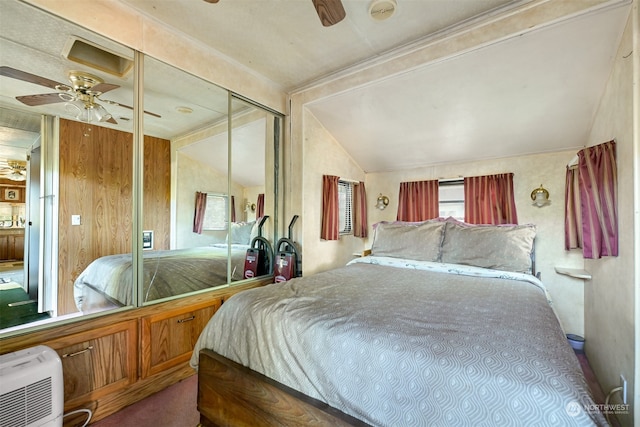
[[359, 210], [572, 211], [490, 199], [418, 201], [597, 180], [330, 208], [198, 216], [260, 206], [233, 208]]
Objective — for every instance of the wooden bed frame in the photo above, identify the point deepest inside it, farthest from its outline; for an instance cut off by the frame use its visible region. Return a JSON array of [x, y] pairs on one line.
[[230, 394]]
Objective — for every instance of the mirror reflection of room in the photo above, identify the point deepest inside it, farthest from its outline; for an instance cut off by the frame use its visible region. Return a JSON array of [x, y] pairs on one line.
[[79, 196], [19, 136]]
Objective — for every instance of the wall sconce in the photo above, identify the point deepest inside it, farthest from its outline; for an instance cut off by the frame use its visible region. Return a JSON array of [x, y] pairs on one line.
[[248, 206], [540, 196], [382, 202]]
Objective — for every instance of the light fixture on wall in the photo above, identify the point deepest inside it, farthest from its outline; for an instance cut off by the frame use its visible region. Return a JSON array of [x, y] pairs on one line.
[[248, 206], [382, 202], [540, 196]]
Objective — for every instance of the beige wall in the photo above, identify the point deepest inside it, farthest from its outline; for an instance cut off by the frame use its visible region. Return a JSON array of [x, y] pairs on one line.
[[323, 156], [609, 296]]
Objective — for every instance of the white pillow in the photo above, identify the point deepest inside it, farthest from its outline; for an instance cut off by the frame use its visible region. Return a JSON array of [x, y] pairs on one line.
[[240, 233]]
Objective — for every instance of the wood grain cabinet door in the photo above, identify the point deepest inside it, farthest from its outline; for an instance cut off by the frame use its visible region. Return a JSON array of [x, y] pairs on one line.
[[168, 338], [97, 362]]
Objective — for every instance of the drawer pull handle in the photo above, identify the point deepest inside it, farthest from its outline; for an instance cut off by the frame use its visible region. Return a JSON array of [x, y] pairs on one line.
[[188, 319], [78, 352]]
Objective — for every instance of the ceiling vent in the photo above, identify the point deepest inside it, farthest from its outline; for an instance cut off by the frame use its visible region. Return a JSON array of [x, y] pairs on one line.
[[87, 53], [380, 10]]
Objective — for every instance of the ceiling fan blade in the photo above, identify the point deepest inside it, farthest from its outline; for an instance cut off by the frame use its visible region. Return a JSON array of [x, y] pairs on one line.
[[211, 1], [330, 12], [130, 108], [41, 99], [104, 87], [27, 77]]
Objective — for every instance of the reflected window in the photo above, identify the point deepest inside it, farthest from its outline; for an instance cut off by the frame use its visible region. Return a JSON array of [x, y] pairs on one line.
[[215, 213]]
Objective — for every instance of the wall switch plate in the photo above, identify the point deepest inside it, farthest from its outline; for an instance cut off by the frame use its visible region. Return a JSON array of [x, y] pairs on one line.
[[75, 220]]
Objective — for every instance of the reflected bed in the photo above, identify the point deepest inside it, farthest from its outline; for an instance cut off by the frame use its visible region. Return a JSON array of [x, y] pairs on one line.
[[106, 282]]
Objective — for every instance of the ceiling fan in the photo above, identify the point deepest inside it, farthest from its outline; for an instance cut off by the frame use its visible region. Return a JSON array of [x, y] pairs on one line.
[[81, 97], [14, 170], [330, 12]]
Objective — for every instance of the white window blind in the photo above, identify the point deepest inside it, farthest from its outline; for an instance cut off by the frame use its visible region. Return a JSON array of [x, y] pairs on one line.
[[215, 214], [451, 199], [345, 197]]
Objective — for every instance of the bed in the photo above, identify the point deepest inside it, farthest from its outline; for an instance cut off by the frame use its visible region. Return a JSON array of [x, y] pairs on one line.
[[107, 281], [444, 324]]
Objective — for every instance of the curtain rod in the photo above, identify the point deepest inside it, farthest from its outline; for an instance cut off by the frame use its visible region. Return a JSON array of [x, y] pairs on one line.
[[574, 160], [353, 181]]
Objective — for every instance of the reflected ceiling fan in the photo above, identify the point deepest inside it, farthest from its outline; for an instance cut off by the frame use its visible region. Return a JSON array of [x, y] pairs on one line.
[[80, 98], [14, 170], [330, 12]]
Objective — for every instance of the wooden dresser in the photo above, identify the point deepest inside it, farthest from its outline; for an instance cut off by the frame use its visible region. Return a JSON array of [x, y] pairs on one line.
[[112, 361]]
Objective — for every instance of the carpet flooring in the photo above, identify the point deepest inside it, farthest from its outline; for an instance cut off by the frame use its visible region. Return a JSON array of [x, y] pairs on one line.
[[174, 406], [16, 308]]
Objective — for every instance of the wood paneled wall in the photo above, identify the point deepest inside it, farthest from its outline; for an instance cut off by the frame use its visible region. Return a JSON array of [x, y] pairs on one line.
[[6, 184], [96, 169]]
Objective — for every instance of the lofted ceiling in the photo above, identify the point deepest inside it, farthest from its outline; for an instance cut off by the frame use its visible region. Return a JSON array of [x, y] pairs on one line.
[[536, 91], [285, 41]]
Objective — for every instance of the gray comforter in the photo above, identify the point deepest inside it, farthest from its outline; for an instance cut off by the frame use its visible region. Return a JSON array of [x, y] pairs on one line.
[[427, 344]]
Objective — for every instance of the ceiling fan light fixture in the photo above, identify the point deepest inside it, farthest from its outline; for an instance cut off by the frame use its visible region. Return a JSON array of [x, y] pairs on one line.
[[381, 10], [101, 113], [16, 176], [88, 111]]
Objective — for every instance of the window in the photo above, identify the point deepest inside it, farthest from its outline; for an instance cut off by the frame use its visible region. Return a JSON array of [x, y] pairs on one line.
[[345, 197], [215, 214], [451, 196]]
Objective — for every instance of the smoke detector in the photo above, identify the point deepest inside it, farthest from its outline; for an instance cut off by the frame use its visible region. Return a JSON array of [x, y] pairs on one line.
[[381, 10]]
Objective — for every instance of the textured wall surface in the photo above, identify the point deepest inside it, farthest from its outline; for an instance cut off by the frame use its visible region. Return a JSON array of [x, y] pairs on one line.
[[609, 296]]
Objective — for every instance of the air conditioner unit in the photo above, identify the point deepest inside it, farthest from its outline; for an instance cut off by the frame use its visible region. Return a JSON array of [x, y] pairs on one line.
[[31, 388]]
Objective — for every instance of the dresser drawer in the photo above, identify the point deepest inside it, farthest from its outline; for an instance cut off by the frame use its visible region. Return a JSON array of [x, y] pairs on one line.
[[168, 338], [97, 362]]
